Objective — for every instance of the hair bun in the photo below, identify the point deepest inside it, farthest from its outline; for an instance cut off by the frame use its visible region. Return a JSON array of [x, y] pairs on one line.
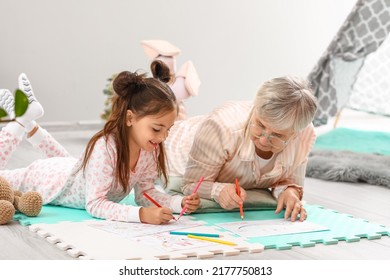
[[127, 83], [160, 71]]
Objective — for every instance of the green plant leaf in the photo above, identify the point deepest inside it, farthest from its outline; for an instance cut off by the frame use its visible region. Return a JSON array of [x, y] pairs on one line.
[[3, 113], [21, 103]]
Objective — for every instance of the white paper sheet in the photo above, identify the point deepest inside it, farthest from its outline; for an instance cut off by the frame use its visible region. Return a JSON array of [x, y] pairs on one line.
[[156, 236], [270, 227], [130, 230], [170, 243]]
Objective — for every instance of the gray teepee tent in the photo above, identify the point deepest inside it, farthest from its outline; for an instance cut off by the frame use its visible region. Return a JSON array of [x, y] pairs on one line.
[[354, 71]]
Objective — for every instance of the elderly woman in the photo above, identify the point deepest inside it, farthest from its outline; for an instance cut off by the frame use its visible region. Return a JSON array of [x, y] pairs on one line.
[[264, 144]]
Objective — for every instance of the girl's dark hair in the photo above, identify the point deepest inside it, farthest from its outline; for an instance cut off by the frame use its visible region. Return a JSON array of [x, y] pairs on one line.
[[143, 96]]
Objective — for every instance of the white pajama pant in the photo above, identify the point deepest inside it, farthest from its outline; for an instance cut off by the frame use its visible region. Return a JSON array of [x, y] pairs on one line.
[[46, 176]]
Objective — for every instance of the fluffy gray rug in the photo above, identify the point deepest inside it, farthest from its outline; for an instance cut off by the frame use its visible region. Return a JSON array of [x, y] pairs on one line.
[[349, 166]]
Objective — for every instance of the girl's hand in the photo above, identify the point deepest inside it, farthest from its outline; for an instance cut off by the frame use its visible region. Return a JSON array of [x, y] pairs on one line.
[[192, 203], [229, 199], [155, 215], [289, 199]]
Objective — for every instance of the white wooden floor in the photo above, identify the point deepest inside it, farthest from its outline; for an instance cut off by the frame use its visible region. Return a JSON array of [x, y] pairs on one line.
[[360, 200]]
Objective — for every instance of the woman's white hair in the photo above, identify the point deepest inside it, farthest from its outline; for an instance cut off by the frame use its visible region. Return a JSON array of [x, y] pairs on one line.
[[286, 103]]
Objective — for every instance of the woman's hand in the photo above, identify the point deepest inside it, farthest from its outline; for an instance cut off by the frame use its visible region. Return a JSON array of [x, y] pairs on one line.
[[192, 203], [290, 199], [229, 199], [155, 215]]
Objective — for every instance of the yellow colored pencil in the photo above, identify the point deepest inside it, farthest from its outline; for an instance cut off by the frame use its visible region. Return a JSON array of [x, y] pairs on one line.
[[212, 240]]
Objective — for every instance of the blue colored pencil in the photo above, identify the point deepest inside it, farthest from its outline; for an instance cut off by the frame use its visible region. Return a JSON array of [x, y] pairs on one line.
[[195, 233]]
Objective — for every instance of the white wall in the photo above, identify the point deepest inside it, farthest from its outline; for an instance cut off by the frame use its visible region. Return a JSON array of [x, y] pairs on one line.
[[69, 48]]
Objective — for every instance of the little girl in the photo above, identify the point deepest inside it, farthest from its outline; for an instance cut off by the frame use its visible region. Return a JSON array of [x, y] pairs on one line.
[[127, 153]]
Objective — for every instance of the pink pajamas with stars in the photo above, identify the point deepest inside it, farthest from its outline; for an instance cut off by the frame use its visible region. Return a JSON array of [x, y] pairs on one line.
[[60, 182]]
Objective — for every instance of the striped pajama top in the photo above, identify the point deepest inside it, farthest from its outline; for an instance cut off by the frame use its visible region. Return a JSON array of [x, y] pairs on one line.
[[218, 147]]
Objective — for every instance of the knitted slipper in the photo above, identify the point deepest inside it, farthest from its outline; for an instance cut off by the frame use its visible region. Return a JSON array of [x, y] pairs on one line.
[[7, 102], [34, 110]]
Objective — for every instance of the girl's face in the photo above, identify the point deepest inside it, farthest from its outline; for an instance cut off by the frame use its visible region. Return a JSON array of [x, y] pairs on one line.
[[148, 132]]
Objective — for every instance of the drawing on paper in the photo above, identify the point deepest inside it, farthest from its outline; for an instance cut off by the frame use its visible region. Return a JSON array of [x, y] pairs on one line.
[[270, 227], [156, 236], [170, 243]]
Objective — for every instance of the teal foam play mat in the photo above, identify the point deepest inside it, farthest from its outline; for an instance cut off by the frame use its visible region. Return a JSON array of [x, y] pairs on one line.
[[341, 227]]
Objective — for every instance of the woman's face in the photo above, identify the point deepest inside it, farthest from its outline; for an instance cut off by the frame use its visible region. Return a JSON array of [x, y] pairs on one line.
[[266, 138], [149, 131]]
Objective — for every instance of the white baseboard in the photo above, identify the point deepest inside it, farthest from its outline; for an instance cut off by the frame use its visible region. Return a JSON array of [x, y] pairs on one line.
[[69, 126]]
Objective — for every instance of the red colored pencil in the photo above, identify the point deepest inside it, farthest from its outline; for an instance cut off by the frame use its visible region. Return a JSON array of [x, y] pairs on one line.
[[238, 190], [154, 202], [195, 190]]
